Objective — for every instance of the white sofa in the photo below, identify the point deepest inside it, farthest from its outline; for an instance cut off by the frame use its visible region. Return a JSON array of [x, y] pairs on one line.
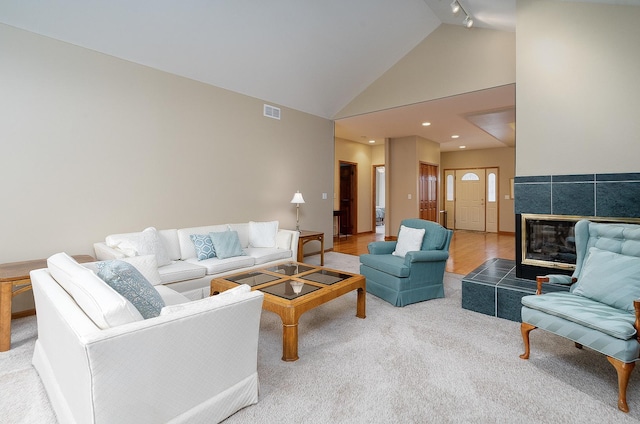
[[263, 244], [101, 362]]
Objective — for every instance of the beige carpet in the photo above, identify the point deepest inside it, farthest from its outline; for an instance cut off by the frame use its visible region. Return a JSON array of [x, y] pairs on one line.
[[430, 362]]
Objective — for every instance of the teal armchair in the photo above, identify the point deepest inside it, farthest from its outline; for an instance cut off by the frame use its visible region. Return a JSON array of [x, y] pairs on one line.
[[601, 310], [417, 276]]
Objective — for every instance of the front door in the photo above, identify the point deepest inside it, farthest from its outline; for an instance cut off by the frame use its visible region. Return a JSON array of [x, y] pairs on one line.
[[470, 199]]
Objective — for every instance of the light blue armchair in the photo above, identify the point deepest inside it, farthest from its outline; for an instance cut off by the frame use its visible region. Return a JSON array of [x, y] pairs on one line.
[[413, 278], [601, 310]]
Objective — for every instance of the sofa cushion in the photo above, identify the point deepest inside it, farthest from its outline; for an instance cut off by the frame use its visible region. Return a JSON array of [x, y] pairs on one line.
[[130, 283], [203, 245], [218, 265], [243, 232], [227, 297], [170, 296], [263, 234], [263, 255], [409, 240], [146, 242], [226, 244], [584, 311], [181, 271], [610, 278], [102, 304]]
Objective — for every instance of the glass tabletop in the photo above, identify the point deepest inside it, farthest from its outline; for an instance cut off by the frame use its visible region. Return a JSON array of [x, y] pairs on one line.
[[253, 278], [290, 289], [324, 276], [290, 268]]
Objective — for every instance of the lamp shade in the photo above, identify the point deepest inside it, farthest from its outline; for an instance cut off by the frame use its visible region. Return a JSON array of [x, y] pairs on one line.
[[297, 198]]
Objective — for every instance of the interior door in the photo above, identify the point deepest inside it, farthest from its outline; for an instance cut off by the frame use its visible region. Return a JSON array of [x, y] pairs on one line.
[[470, 199], [429, 192], [348, 195]]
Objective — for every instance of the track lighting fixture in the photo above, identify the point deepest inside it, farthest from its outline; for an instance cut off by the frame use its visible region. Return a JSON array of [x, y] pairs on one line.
[[456, 7]]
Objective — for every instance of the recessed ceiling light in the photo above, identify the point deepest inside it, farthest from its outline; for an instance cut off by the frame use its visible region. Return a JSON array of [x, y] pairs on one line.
[[463, 147], [371, 141], [426, 124], [455, 136]]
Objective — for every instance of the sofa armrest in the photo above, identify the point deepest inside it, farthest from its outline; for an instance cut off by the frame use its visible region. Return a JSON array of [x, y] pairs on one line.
[[105, 253], [426, 256], [382, 247]]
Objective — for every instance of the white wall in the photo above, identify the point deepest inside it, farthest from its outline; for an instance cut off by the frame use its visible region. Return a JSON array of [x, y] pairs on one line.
[[578, 96], [93, 145]]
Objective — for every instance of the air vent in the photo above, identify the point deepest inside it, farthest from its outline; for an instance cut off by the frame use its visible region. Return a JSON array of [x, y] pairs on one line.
[[272, 112]]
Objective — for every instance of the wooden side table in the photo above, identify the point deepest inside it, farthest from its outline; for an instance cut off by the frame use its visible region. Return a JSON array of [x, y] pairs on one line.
[[14, 279], [307, 236]]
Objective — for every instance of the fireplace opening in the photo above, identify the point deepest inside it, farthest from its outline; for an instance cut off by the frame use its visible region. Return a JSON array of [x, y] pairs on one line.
[[547, 243]]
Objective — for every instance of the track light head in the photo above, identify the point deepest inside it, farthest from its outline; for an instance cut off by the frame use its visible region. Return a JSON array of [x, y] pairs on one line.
[[468, 22], [455, 7]]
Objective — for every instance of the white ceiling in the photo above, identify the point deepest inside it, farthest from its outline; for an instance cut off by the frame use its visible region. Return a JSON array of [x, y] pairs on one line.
[[313, 56]]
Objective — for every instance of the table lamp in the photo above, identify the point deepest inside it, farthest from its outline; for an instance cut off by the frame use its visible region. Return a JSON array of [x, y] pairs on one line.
[[297, 199]]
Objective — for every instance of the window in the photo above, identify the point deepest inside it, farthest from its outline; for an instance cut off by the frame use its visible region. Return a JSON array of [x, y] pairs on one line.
[[491, 187], [470, 176], [450, 188]]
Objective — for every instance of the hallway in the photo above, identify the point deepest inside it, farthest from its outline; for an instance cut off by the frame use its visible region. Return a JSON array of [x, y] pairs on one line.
[[468, 249]]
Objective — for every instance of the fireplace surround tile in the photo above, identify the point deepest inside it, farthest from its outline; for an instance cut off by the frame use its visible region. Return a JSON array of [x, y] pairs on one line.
[[493, 289], [572, 198]]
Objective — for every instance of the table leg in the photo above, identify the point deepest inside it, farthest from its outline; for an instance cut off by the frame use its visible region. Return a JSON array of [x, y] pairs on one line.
[[322, 251], [290, 342], [362, 303], [5, 315]]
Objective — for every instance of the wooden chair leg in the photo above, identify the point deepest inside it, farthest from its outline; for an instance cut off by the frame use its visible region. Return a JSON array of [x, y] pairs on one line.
[[578, 345], [624, 371], [525, 329]]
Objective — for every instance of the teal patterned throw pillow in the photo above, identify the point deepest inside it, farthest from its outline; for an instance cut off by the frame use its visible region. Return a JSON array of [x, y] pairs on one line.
[[131, 284], [203, 245], [226, 244]]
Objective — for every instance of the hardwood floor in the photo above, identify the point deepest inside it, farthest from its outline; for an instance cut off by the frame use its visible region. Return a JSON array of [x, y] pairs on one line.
[[468, 249]]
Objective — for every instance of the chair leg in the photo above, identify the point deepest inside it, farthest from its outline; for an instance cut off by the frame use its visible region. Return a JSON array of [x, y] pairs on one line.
[[578, 345], [624, 371], [525, 329]]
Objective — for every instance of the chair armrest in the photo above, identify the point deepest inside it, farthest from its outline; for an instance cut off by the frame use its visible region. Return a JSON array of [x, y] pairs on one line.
[[382, 247], [555, 279], [426, 256], [636, 324]]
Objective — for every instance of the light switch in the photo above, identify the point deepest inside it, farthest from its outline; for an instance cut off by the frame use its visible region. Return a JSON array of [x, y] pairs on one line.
[[324, 196], [409, 196]]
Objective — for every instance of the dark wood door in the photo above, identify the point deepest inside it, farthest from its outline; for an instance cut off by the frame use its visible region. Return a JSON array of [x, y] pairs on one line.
[[429, 192], [348, 196]]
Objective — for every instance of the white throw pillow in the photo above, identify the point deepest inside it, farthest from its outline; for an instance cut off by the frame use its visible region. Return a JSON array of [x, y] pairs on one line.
[[409, 240], [102, 304], [146, 242], [263, 234]]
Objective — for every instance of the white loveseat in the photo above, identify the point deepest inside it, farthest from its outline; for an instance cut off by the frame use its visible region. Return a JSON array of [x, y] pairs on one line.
[[101, 362], [263, 244]]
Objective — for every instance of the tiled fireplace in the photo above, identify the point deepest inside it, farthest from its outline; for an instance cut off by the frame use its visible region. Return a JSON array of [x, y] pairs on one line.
[[547, 207]]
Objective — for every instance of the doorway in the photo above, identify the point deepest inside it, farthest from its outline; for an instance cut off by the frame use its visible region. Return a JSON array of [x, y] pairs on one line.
[[379, 196], [348, 195], [471, 201]]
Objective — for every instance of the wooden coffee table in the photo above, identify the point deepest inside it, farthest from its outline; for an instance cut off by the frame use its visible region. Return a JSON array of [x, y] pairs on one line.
[[292, 289]]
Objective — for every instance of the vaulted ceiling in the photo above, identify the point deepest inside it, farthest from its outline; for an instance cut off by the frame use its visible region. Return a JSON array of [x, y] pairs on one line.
[[313, 56]]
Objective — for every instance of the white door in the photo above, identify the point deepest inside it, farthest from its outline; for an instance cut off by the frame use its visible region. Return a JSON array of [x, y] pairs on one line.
[[470, 200]]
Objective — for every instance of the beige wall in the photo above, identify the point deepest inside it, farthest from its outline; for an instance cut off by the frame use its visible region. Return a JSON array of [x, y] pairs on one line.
[[93, 145], [503, 159], [578, 96], [451, 60]]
